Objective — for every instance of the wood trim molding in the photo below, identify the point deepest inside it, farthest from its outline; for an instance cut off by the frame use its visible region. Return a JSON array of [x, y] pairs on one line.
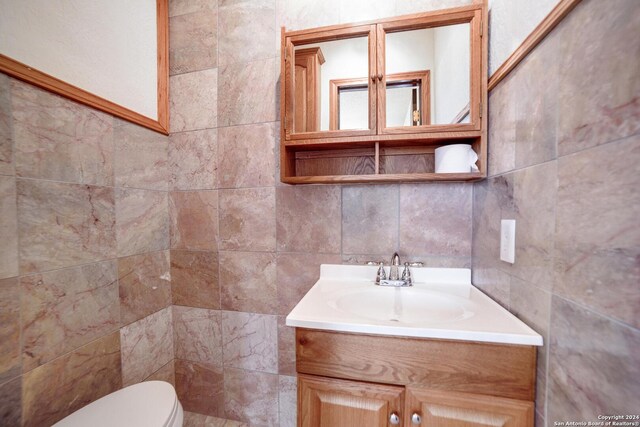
[[554, 17], [47, 82]]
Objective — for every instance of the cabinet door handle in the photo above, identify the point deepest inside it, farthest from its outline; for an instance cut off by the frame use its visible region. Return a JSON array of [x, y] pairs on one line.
[[380, 77], [394, 418], [416, 418]]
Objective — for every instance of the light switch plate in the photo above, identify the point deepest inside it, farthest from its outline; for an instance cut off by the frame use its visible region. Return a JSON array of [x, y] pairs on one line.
[[508, 240]]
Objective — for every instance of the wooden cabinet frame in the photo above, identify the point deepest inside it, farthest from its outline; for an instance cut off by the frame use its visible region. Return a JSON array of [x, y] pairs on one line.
[[378, 139]]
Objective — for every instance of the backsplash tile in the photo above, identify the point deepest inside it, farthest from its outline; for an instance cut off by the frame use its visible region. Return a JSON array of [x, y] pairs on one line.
[[144, 283], [8, 227], [251, 397], [198, 335], [250, 341], [309, 219], [193, 100], [248, 282], [194, 220], [10, 342], [194, 279], [57, 139], [55, 390], [142, 221], [147, 345], [193, 160], [65, 309], [247, 219], [194, 41], [61, 225], [7, 166], [237, 166], [597, 231], [11, 403]]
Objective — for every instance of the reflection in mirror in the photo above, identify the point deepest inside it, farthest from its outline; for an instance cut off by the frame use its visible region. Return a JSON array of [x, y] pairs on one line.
[[316, 66], [444, 54]]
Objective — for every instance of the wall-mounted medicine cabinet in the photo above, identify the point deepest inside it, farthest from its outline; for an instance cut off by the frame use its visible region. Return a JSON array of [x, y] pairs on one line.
[[370, 102]]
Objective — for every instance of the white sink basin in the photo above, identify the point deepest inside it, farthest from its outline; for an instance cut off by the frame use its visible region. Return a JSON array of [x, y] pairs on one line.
[[442, 304], [404, 305]]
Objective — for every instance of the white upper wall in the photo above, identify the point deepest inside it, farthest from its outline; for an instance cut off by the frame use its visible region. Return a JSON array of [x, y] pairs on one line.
[[510, 22], [106, 47]]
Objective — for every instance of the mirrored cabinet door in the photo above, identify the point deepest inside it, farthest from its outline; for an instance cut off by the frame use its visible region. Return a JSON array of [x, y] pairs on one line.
[[331, 84], [427, 80]]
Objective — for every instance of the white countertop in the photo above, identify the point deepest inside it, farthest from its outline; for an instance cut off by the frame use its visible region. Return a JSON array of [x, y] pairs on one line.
[[441, 304]]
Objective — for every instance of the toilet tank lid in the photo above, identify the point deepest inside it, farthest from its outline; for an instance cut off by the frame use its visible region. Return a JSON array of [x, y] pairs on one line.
[[147, 404]]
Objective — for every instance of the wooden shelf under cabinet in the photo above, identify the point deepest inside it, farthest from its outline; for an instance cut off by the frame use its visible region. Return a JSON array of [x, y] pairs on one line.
[[381, 152]]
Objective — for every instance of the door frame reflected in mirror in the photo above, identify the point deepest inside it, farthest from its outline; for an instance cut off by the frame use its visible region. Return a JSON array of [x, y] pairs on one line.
[[422, 77]]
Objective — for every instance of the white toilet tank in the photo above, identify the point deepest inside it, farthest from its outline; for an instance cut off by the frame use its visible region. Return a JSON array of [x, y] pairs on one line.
[[147, 404]]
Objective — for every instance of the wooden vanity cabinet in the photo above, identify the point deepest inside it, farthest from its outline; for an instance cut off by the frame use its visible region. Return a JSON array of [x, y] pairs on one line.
[[357, 380], [379, 142]]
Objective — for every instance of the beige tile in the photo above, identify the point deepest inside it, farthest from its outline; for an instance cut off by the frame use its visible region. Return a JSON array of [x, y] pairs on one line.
[[594, 365], [370, 219], [309, 219], [7, 166], [147, 345], [140, 157], [597, 231], [193, 100], [537, 105], [442, 226], [247, 93], [501, 132], [288, 401], [247, 219], [65, 309], [251, 397], [248, 282], [61, 225], [193, 160], [8, 227], [296, 273], [11, 403], [535, 191], [191, 419], [594, 114], [194, 220], [198, 335], [492, 281], [247, 30], [246, 156], [56, 389], [194, 279], [181, 7], [167, 374], [144, 283], [142, 221], [286, 348], [193, 41], [58, 139], [10, 351], [200, 387], [250, 341]]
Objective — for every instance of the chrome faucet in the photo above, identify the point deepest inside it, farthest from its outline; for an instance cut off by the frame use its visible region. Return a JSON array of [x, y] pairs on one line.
[[394, 277]]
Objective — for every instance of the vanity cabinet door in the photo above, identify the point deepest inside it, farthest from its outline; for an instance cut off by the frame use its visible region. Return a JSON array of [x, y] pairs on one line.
[[328, 402], [450, 409]]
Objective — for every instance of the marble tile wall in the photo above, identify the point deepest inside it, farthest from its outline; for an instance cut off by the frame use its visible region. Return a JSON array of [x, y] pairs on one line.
[[563, 160], [85, 273], [244, 247]]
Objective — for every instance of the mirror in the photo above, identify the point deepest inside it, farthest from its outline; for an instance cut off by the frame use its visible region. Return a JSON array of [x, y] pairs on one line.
[[428, 78], [322, 69]]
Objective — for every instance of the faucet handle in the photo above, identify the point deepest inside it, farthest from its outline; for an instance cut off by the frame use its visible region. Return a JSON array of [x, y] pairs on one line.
[[406, 274], [381, 274]]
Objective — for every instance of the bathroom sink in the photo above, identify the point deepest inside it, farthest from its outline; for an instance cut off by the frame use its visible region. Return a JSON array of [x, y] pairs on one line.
[[441, 304], [403, 305]]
